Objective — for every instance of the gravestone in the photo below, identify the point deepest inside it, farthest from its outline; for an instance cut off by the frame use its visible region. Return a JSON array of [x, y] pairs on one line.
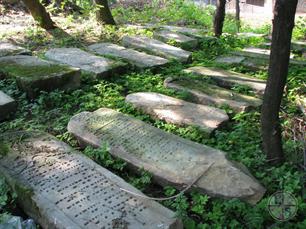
[[230, 59], [7, 106], [139, 59], [61, 188], [229, 78], [177, 111], [169, 158], [156, 48], [252, 63], [251, 35], [208, 94], [179, 39], [298, 45], [34, 75], [100, 66], [8, 49], [197, 33]]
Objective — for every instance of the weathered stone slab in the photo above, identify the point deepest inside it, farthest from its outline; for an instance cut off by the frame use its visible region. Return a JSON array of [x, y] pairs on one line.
[[251, 35], [169, 158], [157, 48], [8, 49], [61, 188], [7, 106], [228, 78], [230, 59], [177, 111], [208, 94], [33, 74], [100, 66], [179, 39], [252, 63], [139, 59], [298, 45], [197, 33]]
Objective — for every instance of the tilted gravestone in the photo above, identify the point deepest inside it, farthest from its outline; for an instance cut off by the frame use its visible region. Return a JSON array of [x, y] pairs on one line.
[[34, 75], [208, 94], [177, 111], [197, 33], [156, 47], [61, 188], [100, 66], [8, 49], [7, 106], [229, 78], [171, 159], [139, 59], [179, 39]]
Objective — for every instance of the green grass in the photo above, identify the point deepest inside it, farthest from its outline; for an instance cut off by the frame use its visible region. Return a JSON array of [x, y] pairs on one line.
[[240, 141]]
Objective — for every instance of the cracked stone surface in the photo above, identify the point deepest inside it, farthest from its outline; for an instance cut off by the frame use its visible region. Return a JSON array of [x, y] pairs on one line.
[[229, 78], [139, 59], [177, 111], [100, 66], [171, 159], [156, 47], [61, 188]]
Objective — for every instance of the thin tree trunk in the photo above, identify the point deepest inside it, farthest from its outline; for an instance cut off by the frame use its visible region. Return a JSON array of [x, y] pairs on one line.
[[238, 14], [219, 17], [40, 14], [283, 23], [104, 15]]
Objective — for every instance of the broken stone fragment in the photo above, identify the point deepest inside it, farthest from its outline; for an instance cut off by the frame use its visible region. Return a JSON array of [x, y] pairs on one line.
[[61, 188], [139, 59], [100, 66], [34, 75], [7, 106], [171, 159], [156, 47]]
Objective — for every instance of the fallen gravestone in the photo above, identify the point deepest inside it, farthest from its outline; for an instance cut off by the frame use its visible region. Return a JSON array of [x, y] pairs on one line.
[[8, 49], [208, 94], [157, 48], [298, 45], [139, 59], [252, 63], [7, 106], [170, 159], [228, 78], [61, 188], [251, 35], [33, 74], [100, 66], [197, 33], [177, 111], [178, 39]]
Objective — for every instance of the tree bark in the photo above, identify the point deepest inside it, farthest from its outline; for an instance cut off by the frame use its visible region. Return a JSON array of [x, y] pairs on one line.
[[283, 23], [238, 14], [40, 14], [104, 15], [219, 17]]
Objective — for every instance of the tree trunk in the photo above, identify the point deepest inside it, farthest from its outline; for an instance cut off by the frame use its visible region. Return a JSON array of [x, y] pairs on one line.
[[219, 17], [283, 23], [104, 15], [238, 15], [40, 14]]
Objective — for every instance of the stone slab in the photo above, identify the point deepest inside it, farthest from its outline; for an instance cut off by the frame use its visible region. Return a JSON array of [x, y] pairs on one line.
[[177, 111], [179, 39], [61, 188], [229, 78], [252, 63], [251, 35], [197, 33], [230, 59], [298, 45], [212, 95], [7, 106], [157, 48], [139, 59], [169, 158], [34, 75], [100, 66], [8, 49]]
